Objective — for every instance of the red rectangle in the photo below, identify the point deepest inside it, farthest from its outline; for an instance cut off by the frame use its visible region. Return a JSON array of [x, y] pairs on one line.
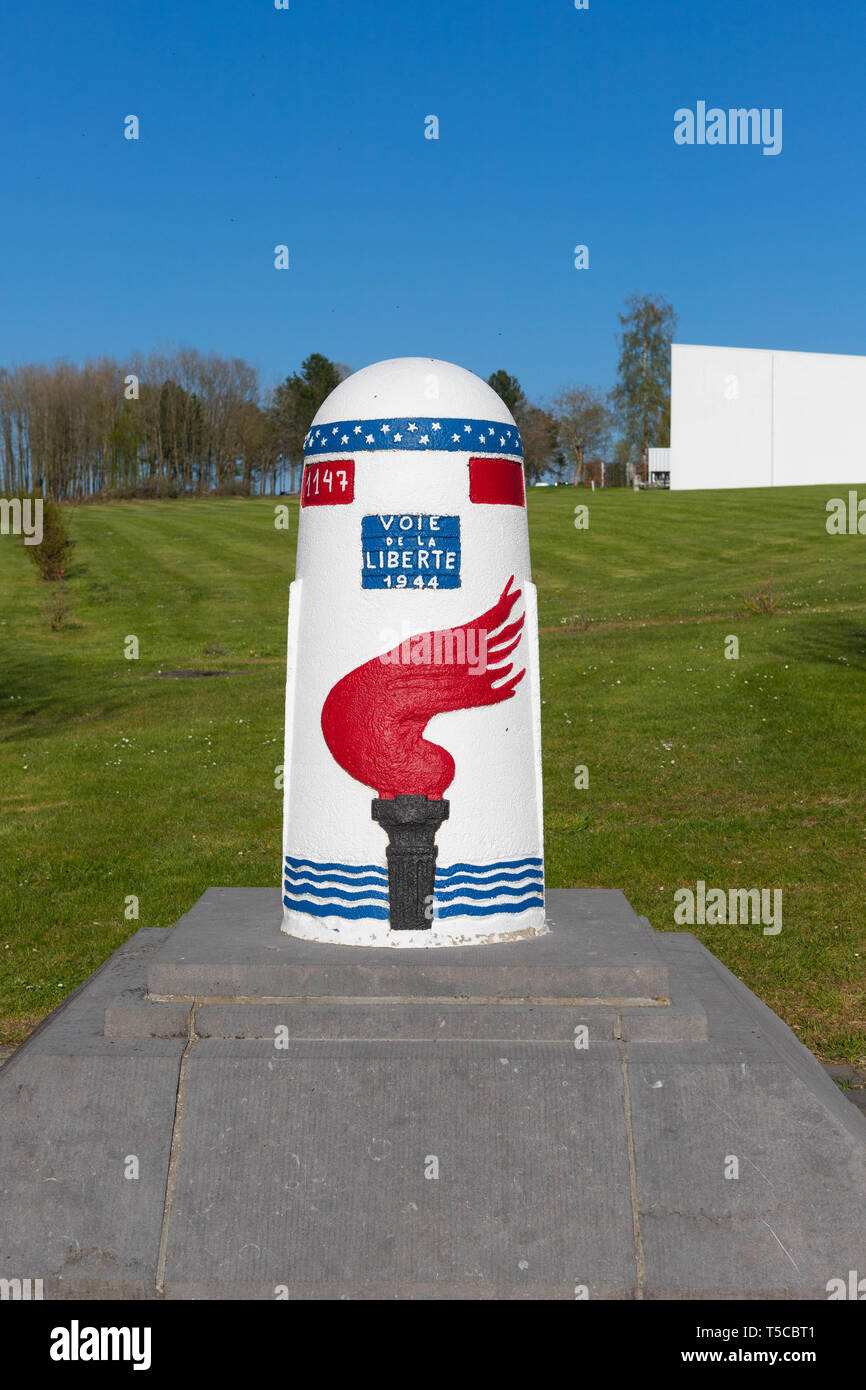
[[496, 481], [328, 484]]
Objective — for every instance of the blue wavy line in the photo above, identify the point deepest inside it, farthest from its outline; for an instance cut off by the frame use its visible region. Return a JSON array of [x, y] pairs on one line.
[[457, 910], [534, 876], [381, 913], [345, 868], [306, 876], [335, 909], [341, 893], [489, 868], [441, 896]]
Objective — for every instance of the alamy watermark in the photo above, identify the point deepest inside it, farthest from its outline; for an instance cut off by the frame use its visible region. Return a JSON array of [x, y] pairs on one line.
[[21, 1290], [846, 519], [450, 647], [22, 517], [77, 1343], [737, 126], [737, 906], [853, 1288]]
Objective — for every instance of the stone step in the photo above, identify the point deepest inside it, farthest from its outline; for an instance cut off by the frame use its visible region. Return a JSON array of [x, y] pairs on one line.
[[289, 1021], [230, 945]]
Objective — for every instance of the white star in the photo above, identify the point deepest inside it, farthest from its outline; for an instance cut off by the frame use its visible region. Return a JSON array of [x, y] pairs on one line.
[[357, 429], [397, 438], [456, 438], [413, 427], [334, 430], [436, 425], [386, 429], [317, 434], [468, 429], [344, 439], [370, 439], [423, 439], [501, 440], [490, 431]]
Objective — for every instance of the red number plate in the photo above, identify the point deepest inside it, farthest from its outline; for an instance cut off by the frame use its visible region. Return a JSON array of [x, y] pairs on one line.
[[328, 484]]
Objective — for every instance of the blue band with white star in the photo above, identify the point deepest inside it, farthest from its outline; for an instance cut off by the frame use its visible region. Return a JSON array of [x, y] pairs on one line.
[[418, 433]]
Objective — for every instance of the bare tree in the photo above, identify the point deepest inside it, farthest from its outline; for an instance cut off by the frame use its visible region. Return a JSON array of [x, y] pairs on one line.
[[541, 451], [585, 423]]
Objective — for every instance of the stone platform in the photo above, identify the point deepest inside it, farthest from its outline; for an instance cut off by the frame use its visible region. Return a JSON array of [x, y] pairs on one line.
[[537, 1119]]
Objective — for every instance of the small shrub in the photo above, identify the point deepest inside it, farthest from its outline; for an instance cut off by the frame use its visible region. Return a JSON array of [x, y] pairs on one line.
[[580, 620], [55, 607], [232, 488], [764, 599], [51, 555]]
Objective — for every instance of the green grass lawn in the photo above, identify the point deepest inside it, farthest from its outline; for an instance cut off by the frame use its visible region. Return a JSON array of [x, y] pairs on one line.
[[742, 773]]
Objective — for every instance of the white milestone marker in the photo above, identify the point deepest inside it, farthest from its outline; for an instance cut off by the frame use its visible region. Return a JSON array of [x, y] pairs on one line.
[[413, 758]]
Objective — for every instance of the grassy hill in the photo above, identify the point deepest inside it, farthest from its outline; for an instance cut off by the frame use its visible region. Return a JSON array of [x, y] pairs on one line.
[[116, 780]]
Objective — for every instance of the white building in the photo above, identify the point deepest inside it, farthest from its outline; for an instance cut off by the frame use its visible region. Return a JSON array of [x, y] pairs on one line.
[[742, 417]]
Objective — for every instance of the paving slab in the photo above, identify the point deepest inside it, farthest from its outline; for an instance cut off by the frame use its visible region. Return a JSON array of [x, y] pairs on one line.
[[76, 1108], [527, 1141], [747, 1155], [746, 1182], [737, 1017]]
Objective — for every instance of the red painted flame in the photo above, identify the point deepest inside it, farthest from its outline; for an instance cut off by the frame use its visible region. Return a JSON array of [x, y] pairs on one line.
[[374, 718]]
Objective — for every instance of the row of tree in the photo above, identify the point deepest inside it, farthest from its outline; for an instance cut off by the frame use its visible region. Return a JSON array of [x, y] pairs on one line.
[[186, 422]]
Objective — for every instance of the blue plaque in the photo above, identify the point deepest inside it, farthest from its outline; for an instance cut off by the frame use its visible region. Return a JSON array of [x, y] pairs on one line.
[[410, 551]]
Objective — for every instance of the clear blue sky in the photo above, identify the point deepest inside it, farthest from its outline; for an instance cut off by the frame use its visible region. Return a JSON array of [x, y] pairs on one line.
[[306, 127]]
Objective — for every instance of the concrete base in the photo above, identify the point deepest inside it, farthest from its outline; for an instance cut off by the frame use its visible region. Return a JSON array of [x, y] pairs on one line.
[[520, 926], [223, 1111]]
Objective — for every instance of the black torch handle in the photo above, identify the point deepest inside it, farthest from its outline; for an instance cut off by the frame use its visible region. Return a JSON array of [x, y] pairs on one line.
[[411, 823]]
